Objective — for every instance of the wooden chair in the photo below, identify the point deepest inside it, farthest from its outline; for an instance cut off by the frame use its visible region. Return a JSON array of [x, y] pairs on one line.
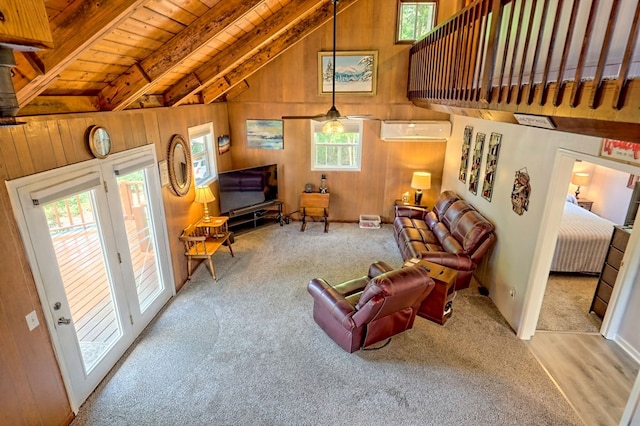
[[199, 243], [314, 204]]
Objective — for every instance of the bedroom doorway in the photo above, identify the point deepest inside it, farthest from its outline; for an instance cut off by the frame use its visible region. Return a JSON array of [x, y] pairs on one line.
[[590, 212], [556, 198]]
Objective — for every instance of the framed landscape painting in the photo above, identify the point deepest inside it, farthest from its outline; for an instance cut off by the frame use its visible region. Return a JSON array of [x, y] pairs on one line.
[[265, 134], [356, 72]]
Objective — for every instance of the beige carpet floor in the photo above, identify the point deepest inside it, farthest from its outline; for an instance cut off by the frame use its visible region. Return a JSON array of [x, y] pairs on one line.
[[246, 351], [566, 304]]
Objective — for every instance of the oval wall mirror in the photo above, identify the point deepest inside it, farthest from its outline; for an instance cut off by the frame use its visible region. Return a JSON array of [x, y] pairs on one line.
[[179, 165]]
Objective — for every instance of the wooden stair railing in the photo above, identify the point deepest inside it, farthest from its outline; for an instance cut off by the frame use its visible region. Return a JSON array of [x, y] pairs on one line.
[[561, 58]]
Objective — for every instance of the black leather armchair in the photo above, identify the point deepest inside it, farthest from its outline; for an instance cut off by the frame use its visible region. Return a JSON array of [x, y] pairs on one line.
[[363, 311]]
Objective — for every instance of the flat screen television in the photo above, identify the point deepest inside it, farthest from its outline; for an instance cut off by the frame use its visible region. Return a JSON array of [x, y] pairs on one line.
[[247, 187]]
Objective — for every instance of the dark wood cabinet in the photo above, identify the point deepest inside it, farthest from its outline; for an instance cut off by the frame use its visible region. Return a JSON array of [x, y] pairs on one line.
[[434, 307], [610, 269]]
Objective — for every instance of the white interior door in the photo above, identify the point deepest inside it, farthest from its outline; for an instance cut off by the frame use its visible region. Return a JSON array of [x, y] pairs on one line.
[[96, 239]]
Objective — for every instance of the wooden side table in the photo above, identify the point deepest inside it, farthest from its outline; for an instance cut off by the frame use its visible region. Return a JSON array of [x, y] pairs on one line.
[[203, 239], [434, 307], [314, 204], [400, 203], [584, 203]]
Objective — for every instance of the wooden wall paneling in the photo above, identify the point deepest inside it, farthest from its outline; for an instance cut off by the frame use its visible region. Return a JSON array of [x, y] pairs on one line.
[[56, 142], [22, 150], [36, 373], [39, 144], [8, 154], [74, 144]]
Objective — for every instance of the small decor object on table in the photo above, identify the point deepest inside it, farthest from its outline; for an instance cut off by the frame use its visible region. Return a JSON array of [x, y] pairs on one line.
[[405, 198], [323, 185], [475, 165], [464, 158], [492, 163], [521, 191]]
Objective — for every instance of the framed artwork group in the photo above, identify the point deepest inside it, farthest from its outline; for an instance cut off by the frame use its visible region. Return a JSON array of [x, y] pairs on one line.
[[491, 164]]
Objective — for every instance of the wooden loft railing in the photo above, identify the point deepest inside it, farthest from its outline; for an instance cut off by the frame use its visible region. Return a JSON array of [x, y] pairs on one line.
[[571, 60]]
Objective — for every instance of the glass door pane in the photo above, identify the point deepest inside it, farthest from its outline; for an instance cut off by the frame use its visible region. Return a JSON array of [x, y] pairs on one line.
[[78, 244], [134, 196]]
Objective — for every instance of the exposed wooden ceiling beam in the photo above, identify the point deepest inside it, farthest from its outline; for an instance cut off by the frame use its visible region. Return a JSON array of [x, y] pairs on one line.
[[269, 52], [43, 105], [140, 77], [224, 61], [79, 26]]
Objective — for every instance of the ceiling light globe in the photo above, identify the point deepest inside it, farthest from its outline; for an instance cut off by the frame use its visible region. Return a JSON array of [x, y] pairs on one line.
[[332, 126]]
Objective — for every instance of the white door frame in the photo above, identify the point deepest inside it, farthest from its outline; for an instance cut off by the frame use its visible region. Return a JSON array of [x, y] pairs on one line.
[[162, 239], [556, 197]]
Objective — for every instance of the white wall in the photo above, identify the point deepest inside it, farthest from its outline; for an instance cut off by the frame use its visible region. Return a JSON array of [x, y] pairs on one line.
[[628, 332], [609, 193], [513, 262]]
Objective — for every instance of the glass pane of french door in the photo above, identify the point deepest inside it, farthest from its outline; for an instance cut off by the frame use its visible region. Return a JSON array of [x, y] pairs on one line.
[[134, 196], [79, 249]]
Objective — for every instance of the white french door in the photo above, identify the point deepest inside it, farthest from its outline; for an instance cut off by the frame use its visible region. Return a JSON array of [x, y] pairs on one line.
[[96, 237]]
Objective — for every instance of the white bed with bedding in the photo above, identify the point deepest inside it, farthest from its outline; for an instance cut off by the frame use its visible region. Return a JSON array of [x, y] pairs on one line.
[[583, 240]]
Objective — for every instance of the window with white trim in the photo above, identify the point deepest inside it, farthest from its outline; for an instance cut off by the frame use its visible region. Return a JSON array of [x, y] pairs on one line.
[[202, 154], [336, 151], [415, 20]]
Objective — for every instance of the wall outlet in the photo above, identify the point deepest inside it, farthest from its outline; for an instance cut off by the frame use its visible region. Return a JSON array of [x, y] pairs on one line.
[[32, 320], [512, 292]]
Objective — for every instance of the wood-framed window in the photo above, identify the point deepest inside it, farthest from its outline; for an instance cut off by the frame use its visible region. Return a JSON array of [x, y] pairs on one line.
[[415, 19], [337, 151], [203, 155]]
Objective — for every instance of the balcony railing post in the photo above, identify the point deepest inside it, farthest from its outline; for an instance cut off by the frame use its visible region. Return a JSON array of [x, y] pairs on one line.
[[492, 51]]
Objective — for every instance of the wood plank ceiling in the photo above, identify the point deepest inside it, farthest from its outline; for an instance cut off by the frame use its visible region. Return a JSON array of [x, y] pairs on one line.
[[117, 54]]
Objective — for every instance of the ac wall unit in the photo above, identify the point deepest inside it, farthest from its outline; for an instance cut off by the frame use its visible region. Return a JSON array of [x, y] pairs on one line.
[[396, 130]]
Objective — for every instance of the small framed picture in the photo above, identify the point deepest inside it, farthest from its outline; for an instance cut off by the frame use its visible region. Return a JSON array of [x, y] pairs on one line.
[[224, 144], [265, 134]]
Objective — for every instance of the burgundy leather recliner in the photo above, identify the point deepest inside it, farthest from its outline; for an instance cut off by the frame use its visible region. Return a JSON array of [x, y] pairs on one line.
[[366, 310]]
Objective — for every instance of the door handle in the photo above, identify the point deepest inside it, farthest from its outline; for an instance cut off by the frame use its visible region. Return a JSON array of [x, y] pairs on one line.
[[64, 321]]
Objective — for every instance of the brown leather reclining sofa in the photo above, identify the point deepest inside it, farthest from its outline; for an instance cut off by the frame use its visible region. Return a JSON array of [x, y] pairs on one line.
[[453, 234]]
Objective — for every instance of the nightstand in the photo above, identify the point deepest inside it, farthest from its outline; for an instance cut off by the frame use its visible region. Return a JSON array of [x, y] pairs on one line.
[[584, 203]]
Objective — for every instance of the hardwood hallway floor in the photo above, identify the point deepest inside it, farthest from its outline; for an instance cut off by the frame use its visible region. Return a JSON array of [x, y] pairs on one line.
[[594, 374]]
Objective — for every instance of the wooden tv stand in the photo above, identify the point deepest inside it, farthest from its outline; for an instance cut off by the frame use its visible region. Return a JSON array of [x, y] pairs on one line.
[[256, 215]]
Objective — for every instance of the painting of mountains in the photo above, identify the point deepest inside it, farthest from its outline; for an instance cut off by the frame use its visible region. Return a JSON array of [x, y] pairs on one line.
[[355, 72]]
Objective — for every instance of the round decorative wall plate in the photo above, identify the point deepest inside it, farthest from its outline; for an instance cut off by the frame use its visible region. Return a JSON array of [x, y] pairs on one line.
[[99, 141]]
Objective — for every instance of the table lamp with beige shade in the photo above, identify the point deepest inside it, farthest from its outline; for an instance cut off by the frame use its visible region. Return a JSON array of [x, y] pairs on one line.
[[580, 179], [420, 181], [204, 196]]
